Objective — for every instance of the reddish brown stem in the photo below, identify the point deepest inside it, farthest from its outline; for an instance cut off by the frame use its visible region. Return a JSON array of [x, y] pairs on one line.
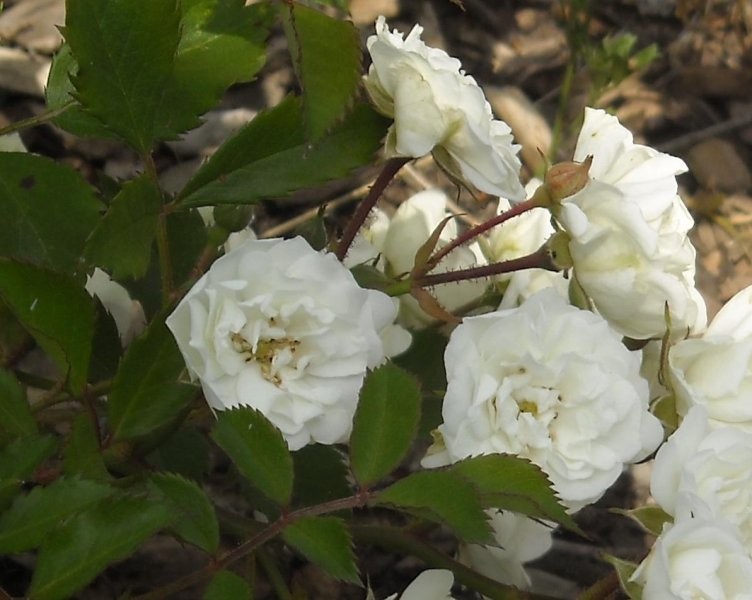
[[364, 208], [468, 235], [540, 259]]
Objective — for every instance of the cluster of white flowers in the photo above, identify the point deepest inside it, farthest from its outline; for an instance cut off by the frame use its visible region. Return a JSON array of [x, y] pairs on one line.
[[702, 476], [286, 329]]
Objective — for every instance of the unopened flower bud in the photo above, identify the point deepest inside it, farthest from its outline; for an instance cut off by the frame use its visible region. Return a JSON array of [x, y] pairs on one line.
[[567, 178]]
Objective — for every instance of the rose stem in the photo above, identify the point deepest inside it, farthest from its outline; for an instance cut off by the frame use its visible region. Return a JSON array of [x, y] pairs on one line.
[[468, 235], [540, 259], [364, 208]]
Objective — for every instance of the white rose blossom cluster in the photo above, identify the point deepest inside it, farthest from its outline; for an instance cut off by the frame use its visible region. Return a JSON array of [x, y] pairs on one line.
[[285, 329], [702, 476]]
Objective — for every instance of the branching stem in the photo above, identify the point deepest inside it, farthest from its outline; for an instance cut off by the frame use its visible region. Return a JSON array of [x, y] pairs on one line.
[[474, 232]]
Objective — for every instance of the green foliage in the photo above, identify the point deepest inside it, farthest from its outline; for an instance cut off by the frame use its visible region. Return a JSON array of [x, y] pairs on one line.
[[652, 518], [513, 483], [615, 59], [385, 423], [56, 311], [270, 156], [326, 542], [320, 475], [316, 42], [18, 461], [16, 419], [145, 396], [121, 243], [51, 208], [147, 69], [81, 453], [258, 450], [185, 452], [225, 584], [78, 550], [624, 570], [125, 50], [194, 519], [27, 523], [443, 496]]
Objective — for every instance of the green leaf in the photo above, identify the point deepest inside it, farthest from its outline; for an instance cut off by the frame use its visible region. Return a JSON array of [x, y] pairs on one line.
[[317, 42], [225, 584], [320, 475], [121, 243], [258, 450], [513, 483], [222, 42], [125, 50], [56, 311], [15, 415], [385, 423], [652, 518], [27, 523], [18, 461], [194, 518], [326, 542], [81, 453], [60, 92], [81, 548], [145, 395], [270, 158], [186, 452], [106, 347], [447, 497], [624, 570], [49, 211]]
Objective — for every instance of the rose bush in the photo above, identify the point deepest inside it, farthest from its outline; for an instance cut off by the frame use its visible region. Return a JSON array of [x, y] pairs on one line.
[[628, 234], [284, 329], [437, 108], [550, 383]]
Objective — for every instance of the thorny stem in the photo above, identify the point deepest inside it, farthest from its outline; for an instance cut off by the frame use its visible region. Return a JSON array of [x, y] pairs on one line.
[[36, 119], [358, 500], [393, 538], [540, 259], [474, 232], [364, 208], [93, 391]]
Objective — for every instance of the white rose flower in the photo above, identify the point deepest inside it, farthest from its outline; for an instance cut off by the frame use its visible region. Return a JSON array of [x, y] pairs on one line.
[[519, 540], [284, 329], [127, 313], [628, 231], [706, 472], [433, 584], [437, 108], [696, 558], [550, 383], [715, 370], [520, 236]]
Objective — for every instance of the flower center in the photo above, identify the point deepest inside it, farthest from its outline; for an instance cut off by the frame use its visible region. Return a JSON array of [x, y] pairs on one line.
[[270, 354]]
